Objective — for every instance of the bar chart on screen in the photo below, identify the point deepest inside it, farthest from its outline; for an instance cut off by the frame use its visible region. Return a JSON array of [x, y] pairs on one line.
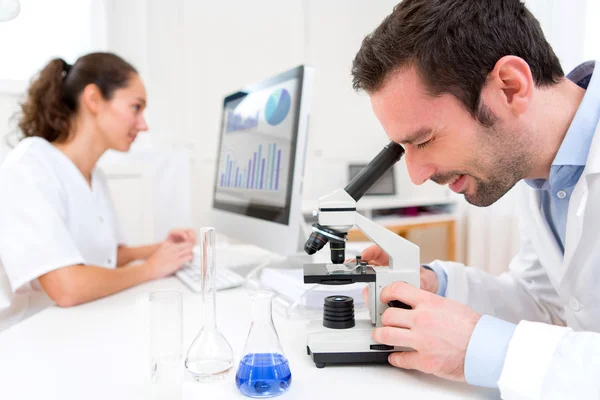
[[261, 168]]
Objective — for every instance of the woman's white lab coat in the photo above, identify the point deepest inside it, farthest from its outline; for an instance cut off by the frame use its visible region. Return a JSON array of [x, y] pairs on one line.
[[50, 218], [546, 361]]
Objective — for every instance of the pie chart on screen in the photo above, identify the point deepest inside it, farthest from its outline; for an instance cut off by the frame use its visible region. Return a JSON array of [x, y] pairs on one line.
[[278, 106]]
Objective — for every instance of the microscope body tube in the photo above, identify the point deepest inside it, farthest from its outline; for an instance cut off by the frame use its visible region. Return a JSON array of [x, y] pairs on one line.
[[361, 183], [378, 166]]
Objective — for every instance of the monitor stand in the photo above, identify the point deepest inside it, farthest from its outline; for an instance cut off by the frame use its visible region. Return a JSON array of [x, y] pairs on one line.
[[290, 261]]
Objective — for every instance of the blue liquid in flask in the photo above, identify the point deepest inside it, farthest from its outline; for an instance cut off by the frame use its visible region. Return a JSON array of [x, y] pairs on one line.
[[263, 375]]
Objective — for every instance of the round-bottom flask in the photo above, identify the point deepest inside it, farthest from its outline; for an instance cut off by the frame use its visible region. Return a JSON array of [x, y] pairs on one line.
[[210, 356], [264, 370]]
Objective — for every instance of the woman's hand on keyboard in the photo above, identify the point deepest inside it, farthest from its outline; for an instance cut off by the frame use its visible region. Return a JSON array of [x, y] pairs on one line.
[[169, 258], [181, 235]]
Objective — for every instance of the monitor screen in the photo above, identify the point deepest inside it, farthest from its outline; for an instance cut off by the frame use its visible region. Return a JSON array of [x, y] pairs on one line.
[[255, 169], [385, 185]]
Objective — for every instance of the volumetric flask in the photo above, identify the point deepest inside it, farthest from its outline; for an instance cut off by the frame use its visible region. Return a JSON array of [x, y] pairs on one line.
[[264, 370], [210, 356]]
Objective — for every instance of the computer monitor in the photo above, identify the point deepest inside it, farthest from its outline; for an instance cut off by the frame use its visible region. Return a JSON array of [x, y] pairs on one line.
[[258, 186]]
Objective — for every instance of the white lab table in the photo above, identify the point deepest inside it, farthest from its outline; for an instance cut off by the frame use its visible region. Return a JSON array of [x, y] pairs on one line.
[[99, 350]]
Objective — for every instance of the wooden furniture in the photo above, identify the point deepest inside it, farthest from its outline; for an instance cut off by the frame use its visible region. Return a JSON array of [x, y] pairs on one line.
[[371, 207], [404, 225]]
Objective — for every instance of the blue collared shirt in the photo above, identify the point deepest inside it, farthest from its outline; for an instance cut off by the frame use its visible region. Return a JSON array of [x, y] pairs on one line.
[[489, 342]]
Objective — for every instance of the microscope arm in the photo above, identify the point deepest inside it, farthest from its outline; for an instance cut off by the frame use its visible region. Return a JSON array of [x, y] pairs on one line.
[[395, 246], [404, 263]]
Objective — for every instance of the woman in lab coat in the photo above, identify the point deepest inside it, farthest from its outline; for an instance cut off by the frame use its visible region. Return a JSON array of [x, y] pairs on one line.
[[60, 240]]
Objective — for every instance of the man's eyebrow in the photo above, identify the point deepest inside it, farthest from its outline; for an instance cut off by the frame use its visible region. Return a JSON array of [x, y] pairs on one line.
[[417, 136], [142, 100]]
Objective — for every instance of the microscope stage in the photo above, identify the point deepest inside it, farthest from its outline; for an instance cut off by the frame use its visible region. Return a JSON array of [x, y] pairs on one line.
[[345, 274]]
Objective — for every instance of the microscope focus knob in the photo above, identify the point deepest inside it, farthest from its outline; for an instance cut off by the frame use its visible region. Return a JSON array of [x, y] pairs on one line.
[[399, 304]]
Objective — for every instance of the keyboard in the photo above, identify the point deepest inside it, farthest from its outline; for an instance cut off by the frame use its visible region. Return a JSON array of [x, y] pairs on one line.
[[226, 278], [230, 258]]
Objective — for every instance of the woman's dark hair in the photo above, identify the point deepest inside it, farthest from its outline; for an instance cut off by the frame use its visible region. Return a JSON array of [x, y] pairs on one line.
[[454, 45], [53, 96]]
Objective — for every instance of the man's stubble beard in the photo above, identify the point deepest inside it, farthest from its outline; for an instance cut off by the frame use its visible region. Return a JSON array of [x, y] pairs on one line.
[[510, 160]]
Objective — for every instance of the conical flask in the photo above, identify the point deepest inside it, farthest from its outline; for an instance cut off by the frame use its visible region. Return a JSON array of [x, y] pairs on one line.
[[264, 370], [210, 356]]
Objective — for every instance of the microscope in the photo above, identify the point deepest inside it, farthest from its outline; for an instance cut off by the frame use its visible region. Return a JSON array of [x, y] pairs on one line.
[[338, 338]]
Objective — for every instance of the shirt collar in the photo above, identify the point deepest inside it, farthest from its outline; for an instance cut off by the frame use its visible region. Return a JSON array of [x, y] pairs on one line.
[[576, 144]]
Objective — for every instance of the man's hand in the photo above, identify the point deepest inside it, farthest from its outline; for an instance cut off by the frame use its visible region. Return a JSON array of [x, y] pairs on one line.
[[374, 255], [437, 328], [181, 236]]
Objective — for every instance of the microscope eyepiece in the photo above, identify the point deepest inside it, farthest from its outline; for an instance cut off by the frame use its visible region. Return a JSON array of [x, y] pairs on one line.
[[378, 166]]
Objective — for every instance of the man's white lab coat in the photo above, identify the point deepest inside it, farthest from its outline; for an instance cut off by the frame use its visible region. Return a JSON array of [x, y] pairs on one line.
[[546, 361]]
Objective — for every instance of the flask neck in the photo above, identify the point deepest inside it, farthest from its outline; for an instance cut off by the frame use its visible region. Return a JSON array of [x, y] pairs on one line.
[[262, 337], [209, 290], [262, 307]]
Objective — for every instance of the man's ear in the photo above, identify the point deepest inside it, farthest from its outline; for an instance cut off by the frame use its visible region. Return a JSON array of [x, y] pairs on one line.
[[511, 84], [91, 98]]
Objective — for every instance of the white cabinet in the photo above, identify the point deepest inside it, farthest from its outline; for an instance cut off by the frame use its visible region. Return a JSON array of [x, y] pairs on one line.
[[130, 185], [151, 192]]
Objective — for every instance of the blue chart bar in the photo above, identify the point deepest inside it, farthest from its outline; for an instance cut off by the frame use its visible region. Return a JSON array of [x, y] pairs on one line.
[[253, 172], [267, 163], [277, 170], [271, 177], [248, 174], [227, 171], [262, 171], [258, 184]]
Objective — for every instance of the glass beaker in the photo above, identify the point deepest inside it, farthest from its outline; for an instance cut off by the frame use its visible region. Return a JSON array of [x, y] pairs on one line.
[[264, 370], [166, 337], [210, 356]]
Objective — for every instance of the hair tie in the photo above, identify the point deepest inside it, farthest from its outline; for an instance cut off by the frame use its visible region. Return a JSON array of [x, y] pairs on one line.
[[66, 68]]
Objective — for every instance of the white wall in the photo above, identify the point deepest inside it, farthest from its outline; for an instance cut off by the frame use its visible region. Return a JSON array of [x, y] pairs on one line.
[[591, 48], [192, 53], [564, 24], [9, 104], [43, 30]]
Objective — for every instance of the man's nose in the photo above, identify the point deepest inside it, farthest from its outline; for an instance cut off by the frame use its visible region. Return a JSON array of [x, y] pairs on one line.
[[419, 170]]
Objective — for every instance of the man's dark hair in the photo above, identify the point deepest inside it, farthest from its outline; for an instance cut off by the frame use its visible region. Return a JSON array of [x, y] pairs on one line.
[[454, 45]]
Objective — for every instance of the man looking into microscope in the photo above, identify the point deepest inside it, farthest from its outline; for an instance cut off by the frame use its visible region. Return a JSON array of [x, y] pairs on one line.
[[479, 101]]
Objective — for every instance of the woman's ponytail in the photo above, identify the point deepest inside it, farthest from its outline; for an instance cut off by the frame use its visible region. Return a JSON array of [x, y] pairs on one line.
[[44, 113]]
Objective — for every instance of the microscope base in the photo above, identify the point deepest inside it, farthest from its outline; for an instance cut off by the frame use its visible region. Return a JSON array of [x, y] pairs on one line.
[[323, 359], [328, 346]]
